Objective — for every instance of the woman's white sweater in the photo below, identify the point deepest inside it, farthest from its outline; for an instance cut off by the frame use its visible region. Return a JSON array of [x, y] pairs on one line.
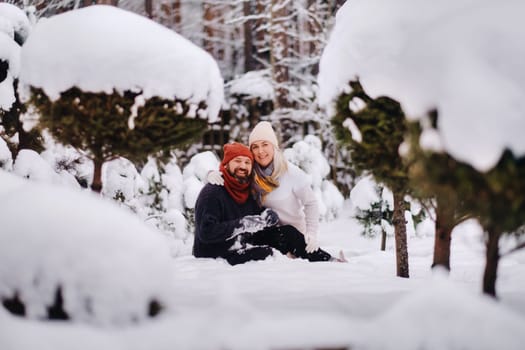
[[294, 201]]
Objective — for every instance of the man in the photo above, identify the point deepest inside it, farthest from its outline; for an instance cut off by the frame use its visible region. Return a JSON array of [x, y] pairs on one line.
[[230, 224], [226, 216]]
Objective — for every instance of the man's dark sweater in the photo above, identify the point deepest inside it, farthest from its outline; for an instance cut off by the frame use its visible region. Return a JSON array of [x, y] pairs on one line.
[[216, 216]]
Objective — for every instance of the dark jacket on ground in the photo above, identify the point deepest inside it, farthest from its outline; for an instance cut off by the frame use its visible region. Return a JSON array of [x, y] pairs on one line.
[[216, 216]]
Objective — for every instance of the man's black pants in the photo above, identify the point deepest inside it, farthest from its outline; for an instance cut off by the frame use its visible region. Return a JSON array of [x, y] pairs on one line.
[[286, 239]]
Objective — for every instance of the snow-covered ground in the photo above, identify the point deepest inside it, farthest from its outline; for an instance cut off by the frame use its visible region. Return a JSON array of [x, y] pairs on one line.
[[281, 303]]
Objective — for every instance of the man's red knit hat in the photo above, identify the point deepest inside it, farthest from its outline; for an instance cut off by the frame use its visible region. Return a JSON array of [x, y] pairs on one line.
[[235, 149]]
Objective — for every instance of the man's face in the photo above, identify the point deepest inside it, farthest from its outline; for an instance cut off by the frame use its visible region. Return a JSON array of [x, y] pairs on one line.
[[240, 167]]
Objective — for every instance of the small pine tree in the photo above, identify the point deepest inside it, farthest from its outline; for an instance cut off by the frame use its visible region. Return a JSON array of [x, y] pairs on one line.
[[381, 122], [379, 216], [496, 198], [500, 206], [99, 124], [372, 220], [431, 181]]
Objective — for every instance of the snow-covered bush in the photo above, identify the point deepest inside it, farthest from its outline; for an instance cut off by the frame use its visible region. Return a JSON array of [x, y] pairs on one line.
[[155, 195], [14, 23], [120, 181], [66, 158], [9, 69], [194, 175], [160, 196], [14, 30], [29, 164], [173, 180], [308, 156], [65, 254]]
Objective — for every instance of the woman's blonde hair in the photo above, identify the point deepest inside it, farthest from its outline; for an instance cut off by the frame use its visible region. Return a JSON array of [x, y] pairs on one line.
[[280, 164]]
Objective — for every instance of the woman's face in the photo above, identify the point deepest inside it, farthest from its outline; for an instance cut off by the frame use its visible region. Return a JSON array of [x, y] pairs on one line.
[[262, 152]]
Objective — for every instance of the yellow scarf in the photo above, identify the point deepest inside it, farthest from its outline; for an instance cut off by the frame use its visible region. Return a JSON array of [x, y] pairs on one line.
[[262, 185]]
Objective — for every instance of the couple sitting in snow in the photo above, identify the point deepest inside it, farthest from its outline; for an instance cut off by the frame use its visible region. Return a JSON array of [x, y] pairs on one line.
[[230, 220]]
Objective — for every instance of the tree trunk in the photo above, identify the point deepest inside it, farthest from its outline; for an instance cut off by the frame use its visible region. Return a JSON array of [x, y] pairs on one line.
[[400, 235], [209, 32], [279, 52], [261, 44], [96, 184], [383, 240], [214, 29], [491, 265], [315, 30], [249, 57], [177, 13], [148, 7], [444, 226], [107, 2], [172, 15]]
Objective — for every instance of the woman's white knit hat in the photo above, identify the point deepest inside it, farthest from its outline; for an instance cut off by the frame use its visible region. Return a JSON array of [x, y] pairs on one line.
[[263, 131]]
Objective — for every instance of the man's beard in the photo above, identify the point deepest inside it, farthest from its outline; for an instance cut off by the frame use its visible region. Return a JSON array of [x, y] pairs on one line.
[[242, 180]]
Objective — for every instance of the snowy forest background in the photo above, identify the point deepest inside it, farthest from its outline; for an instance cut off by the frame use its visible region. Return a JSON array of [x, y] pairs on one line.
[[410, 167]]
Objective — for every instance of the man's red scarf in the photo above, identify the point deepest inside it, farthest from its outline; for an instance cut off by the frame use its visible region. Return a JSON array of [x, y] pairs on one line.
[[239, 191]]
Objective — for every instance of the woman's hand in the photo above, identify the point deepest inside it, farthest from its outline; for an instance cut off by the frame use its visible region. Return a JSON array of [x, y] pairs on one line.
[[311, 242], [214, 177]]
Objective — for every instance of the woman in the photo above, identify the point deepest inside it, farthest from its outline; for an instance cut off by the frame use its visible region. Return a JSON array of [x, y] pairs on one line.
[[284, 188]]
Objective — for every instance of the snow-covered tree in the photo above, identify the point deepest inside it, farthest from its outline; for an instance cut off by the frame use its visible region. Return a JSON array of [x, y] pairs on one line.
[[124, 94], [14, 30], [429, 174], [495, 197], [373, 129]]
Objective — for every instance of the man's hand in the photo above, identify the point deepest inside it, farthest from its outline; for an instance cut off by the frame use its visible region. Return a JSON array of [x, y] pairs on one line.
[[270, 217], [254, 223], [249, 224]]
